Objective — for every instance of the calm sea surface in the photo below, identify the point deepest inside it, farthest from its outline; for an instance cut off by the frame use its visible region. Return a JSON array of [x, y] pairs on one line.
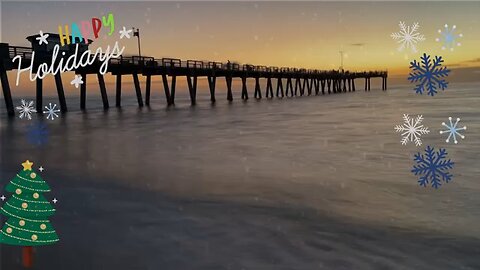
[[318, 182]]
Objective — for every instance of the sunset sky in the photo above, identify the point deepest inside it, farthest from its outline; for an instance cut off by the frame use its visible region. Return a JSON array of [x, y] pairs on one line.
[[293, 34]]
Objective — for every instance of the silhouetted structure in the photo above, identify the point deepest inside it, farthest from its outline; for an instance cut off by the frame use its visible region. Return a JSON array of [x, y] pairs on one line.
[[311, 81]]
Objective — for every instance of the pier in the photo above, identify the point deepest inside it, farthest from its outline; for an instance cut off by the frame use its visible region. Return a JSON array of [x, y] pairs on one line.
[[270, 81]]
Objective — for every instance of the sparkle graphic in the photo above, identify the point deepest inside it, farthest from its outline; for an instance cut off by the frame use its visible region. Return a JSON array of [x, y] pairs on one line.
[[449, 38], [51, 111], [453, 130]]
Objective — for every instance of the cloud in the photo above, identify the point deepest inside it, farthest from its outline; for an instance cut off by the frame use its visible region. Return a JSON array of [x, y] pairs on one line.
[[357, 44], [466, 63], [456, 65], [476, 60]]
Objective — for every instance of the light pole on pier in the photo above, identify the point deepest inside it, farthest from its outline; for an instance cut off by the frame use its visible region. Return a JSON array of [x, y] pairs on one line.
[[341, 60], [136, 33]]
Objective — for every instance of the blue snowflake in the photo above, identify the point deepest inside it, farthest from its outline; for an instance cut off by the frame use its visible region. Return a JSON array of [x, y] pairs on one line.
[[429, 75], [432, 167], [37, 134]]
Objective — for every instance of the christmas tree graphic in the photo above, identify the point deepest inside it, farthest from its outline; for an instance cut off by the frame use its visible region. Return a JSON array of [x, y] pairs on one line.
[[27, 213]]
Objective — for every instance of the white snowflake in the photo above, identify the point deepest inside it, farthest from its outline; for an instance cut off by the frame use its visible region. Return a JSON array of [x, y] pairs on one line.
[[51, 111], [453, 130], [408, 36], [412, 129], [77, 81], [449, 38], [125, 33], [26, 109], [42, 38]]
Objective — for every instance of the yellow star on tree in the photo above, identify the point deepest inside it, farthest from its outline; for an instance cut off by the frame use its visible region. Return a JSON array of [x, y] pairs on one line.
[[27, 165]]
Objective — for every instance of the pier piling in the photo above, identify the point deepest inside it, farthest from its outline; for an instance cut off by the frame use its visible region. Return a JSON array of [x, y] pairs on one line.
[[258, 92], [103, 90], [83, 93], [138, 91], [60, 92], [269, 88], [39, 95], [118, 93], [280, 88], [192, 88], [244, 88], [212, 80], [228, 80], [148, 85], [166, 89]]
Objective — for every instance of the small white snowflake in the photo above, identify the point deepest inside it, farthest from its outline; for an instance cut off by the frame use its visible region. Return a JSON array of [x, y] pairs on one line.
[[51, 111], [42, 38], [453, 130], [408, 36], [412, 129], [125, 33], [26, 109]]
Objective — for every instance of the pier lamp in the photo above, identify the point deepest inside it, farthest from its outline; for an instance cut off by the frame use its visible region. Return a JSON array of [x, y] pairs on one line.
[[136, 33], [341, 60]]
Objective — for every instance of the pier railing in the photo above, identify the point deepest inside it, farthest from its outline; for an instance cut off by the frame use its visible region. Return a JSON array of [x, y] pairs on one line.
[[209, 65]]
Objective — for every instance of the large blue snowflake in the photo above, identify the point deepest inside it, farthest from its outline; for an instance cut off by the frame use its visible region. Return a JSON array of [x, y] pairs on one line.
[[37, 134], [432, 167], [428, 74]]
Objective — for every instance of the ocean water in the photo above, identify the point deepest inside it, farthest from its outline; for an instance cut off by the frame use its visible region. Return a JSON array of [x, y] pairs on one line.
[[318, 182]]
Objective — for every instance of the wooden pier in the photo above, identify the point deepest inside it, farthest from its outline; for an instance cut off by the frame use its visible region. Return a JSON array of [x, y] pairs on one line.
[[278, 81]]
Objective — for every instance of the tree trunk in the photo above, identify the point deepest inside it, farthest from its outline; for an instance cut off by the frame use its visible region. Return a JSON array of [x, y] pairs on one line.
[[27, 254]]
